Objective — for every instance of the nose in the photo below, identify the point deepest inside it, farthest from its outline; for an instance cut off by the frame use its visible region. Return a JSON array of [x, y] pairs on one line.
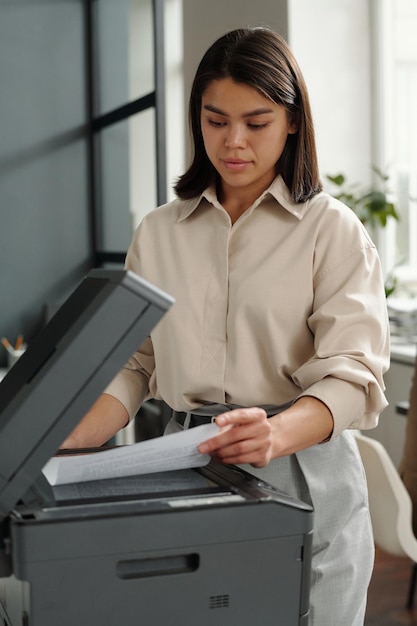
[[236, 137]]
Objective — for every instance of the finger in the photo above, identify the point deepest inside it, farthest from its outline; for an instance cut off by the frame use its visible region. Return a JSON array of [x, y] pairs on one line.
[[228, 436], [241, 416], [211, 445], [243, 449], [249, 436], [253, 451], [256, 458]]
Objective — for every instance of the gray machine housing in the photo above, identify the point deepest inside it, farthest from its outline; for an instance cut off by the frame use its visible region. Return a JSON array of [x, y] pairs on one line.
[[207, 546]]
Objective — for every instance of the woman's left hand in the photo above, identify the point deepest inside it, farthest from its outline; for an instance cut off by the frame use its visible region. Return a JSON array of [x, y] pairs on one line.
[[248, 436], [245, 437]]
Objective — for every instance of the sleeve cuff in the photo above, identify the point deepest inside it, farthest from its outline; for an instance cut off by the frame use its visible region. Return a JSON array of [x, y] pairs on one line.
[[347, 403], [129, 389]]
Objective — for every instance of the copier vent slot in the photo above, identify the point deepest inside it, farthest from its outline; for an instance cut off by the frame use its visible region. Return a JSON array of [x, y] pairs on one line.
[[219, 602], [160, 566]]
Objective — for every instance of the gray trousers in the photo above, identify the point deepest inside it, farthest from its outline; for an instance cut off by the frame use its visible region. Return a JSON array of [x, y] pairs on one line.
[[330, 476]]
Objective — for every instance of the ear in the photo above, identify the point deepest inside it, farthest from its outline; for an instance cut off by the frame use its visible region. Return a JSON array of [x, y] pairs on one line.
[[293, 125]]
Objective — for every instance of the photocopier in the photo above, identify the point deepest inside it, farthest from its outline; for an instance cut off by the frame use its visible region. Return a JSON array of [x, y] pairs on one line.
[[197, 547]]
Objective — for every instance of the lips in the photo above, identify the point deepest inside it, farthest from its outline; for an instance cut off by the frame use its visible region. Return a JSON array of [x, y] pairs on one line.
[[236, 165]]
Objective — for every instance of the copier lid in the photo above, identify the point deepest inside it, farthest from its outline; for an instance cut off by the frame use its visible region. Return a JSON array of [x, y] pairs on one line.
[[66, 367]]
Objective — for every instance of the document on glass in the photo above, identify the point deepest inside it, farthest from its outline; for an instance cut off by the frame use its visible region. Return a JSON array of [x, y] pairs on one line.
[[161, 454]]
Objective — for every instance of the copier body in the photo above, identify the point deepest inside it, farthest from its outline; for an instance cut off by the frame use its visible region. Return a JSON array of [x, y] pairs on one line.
[[236, 551]]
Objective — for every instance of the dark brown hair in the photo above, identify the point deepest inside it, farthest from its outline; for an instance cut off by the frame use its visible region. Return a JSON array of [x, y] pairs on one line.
[[259, 58]]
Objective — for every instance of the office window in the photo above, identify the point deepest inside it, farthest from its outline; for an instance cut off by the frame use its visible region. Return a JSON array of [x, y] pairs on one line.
[[396, 131], [126, 88]]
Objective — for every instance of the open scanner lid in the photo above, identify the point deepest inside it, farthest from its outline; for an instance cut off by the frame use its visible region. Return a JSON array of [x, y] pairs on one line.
[[66, 367]]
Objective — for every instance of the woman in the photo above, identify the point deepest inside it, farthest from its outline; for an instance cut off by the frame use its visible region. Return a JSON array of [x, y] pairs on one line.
[[279, 301]]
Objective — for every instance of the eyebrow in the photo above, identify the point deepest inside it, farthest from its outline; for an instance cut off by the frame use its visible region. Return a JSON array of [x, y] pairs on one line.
[[261, 111]]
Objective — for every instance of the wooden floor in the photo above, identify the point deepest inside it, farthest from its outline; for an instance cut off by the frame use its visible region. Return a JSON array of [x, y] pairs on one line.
[[388, 593]]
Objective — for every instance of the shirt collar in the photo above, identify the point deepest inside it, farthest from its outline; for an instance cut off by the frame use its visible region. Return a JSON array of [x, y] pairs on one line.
[[278, 190]]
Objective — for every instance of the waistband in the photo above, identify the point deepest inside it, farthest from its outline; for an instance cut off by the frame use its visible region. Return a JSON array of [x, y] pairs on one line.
[[208, 413]]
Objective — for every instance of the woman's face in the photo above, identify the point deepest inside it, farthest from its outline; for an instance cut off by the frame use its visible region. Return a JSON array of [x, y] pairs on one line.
[[244, 135]]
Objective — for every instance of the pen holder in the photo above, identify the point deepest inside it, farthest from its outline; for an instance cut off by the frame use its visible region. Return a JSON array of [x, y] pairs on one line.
[[13, 356]]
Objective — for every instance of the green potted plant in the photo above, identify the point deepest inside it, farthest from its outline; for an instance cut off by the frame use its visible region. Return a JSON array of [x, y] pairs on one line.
[[371, 205]]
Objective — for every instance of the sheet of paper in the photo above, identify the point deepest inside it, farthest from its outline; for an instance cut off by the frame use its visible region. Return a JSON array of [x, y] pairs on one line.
[[170, 452]]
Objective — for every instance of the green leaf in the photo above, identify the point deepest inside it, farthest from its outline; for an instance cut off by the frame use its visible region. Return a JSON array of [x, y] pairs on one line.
[[338, 180], [371, 206]]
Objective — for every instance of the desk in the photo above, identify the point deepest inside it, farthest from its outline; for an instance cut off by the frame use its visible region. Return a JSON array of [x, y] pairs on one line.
[[391, 428], [403, 352]]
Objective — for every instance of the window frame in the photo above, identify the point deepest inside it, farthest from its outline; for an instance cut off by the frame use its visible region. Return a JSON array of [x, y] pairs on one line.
[[97, 123], [385, 130]]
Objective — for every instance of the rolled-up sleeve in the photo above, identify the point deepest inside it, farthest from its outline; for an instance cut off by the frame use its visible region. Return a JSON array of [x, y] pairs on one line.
[[131, 385], [351, 337]]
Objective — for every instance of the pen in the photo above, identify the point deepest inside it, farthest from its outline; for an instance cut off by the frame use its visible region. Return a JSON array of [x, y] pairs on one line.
[[7, 345], [19, 342]]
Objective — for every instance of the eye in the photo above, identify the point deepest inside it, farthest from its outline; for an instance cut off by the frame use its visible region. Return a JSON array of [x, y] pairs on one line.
[[257, 126], [216, 123]]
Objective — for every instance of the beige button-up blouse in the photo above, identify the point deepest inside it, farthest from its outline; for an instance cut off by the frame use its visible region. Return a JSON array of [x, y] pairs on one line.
[[288, 301]]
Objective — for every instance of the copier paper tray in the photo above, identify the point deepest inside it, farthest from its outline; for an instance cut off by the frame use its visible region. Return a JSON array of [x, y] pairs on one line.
[[210, 546]]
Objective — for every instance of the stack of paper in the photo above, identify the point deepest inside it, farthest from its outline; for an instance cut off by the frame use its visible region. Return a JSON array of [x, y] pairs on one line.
[[167, 453], [403, 317]]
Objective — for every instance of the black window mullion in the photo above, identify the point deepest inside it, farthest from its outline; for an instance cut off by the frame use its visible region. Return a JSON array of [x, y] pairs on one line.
[[90, 106], [160, 123], [123, 112]]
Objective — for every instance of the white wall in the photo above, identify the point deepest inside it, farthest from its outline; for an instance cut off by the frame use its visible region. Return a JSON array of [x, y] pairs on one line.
[[331, 40], [174, 94], [142, 162]]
